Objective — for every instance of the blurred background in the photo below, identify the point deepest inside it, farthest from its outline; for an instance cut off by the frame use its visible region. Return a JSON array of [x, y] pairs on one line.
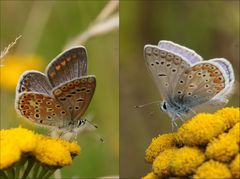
[[46, 29], [211, 28]]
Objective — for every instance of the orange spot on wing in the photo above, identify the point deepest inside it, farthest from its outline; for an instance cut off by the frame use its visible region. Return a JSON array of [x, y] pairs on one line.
[[58, 67], [63, 63]]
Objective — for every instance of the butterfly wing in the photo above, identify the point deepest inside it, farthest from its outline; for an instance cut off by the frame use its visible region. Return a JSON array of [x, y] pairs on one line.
[[199, 84], [165, 67], [42, 109], [76, 95], [185, 53], [68, 65], [33, 81]]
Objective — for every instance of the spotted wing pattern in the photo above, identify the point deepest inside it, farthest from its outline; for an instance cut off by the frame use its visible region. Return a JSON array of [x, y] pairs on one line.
[[67, 66], [34, 81], [198, 84], [165, 68], [75, 95], [42, 109]]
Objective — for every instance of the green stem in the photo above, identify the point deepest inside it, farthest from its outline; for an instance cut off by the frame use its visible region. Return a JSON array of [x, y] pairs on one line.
[[43, 172], [19, 165], [10, 172], [3, 174], [49, 173], [36, 170], [29, 167]]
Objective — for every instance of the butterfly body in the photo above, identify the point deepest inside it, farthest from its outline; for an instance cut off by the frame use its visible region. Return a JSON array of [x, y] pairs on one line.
[[187, 83], [59, 98]]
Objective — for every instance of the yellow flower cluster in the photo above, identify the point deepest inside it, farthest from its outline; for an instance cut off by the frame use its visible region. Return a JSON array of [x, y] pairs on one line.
[[206, 146], [16, 142], [14, 66]]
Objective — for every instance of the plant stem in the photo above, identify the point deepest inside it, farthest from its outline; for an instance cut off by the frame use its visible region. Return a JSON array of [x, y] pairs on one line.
[[29, 167]]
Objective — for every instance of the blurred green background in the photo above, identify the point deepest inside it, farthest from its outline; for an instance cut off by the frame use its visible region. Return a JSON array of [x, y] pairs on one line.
[[211, 28], [46, 27]]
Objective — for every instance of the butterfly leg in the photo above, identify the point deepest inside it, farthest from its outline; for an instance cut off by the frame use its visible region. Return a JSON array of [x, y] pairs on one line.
[[180, 117]]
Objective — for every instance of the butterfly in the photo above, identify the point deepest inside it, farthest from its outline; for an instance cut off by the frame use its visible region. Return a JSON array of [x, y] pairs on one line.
[[187, 83], [60, 97]]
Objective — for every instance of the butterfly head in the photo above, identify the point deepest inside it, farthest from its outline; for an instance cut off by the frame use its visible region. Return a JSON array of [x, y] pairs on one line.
[[163, 106]]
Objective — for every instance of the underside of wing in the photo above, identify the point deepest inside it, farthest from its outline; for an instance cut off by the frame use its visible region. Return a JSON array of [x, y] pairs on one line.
[[76, 95], [165, 68], [42, 109], [185, 53], [33, 81], [67, 66], [199, 84]]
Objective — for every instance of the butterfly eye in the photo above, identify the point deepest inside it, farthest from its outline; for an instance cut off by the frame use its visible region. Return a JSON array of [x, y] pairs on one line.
[[157, 62], [174, 70]]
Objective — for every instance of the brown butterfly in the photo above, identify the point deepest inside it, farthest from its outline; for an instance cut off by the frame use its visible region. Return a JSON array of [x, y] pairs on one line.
[[60, 97]]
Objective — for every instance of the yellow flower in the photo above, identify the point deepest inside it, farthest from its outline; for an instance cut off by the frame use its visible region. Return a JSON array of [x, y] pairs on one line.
[[157, 145], [14, 66], [186, 160], [230, 116], [150, 176], [235, 132], [9, 154], [22, 138], [200, 129], [235, 167], [161, 165], [212, 169], [72, 147], [52, 152], [223, 148], [215, 137], [20, 146]]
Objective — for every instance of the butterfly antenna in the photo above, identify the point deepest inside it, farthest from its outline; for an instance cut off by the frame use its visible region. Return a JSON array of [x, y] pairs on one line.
[[147, 104], [94, 125]]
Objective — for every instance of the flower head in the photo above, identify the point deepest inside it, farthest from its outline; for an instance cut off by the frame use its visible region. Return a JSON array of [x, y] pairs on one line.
[[235, 166], [14, 66], [230, 116], [157, 145], [9, 154], [150, 175], [206, 146], [212, 169], [222, 148], [200, 129], [161, 165], [186, 160], [19, 145]]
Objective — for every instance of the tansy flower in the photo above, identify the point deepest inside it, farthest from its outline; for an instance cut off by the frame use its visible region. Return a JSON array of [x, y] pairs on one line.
[[157, 145], [200, 129], [223, 148], [212, 169], [162, 162], [206, 146], [235, 132], [230, 116], [150, 175], [235, 167], [14, 66], [186, 160], [36, 156]]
